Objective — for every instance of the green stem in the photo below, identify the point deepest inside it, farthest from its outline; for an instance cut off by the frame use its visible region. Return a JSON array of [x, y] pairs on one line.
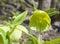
[[39, 39], [33, 38], [8, 36], [12, 30]]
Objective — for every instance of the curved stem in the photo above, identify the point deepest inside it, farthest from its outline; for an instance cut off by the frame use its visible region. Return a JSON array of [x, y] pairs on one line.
[[33, 38]]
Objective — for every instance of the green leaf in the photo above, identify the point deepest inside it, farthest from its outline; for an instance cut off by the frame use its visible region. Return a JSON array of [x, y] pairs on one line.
[[16, 35], [22, 28], [20, 18], [3, 39], [5, 28], [54, 41], [52, 11], [40, 20]]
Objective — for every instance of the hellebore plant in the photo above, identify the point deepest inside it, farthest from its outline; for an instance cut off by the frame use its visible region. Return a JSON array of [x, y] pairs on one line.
[[12, 31], [40, 20]]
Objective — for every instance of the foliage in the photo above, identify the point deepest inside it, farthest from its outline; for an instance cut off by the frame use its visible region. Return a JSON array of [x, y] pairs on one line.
[[55, 41], [13, 30], [20, 18], [40, 20], [52, 11], [3, 39]]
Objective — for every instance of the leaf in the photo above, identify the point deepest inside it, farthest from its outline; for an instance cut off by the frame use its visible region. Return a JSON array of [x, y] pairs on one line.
[[3, 39], [20, 18], [5, 28], [40, 20], [52, 11], [17, 33], [22, 28], [55, 41]]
